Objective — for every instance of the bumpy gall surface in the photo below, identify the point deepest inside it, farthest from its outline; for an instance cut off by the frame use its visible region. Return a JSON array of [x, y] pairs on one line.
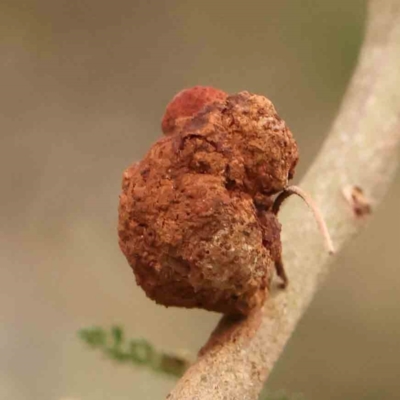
[[186, 104], [195, 218]]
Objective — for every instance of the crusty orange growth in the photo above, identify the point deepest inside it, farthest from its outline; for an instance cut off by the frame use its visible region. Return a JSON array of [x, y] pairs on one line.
[[195, 217], [186, 104]]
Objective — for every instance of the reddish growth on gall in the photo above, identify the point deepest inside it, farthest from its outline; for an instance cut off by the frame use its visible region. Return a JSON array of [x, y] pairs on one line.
[[186, 104]]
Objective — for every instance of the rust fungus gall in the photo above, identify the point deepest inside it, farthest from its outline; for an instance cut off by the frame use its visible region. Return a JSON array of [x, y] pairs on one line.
[[196, 221], [186, 104]]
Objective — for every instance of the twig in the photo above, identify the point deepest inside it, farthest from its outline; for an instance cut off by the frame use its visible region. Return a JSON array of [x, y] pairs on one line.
[[361, 150], [290, 190]]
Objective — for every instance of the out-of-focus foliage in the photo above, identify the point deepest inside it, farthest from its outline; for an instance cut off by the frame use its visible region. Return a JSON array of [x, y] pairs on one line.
[[139, 352]]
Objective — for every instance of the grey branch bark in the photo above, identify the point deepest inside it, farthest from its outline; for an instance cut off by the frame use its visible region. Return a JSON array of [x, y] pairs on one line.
[[361, 150]]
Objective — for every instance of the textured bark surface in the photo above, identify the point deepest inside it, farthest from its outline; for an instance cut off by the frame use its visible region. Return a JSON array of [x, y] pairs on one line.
[[195, 214], [362, 151]]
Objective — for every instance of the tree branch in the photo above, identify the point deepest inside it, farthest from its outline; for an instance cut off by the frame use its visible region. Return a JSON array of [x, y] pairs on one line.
[[361, 150]]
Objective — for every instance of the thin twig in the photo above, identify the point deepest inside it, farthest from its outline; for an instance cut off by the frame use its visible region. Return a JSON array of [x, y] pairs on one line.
[[361, 150], [290, 190]]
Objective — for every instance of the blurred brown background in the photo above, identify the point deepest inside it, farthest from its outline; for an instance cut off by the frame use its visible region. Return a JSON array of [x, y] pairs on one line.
[[84, 84]]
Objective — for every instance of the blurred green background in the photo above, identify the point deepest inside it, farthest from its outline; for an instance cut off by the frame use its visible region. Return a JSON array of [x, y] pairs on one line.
[[84, 86]]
